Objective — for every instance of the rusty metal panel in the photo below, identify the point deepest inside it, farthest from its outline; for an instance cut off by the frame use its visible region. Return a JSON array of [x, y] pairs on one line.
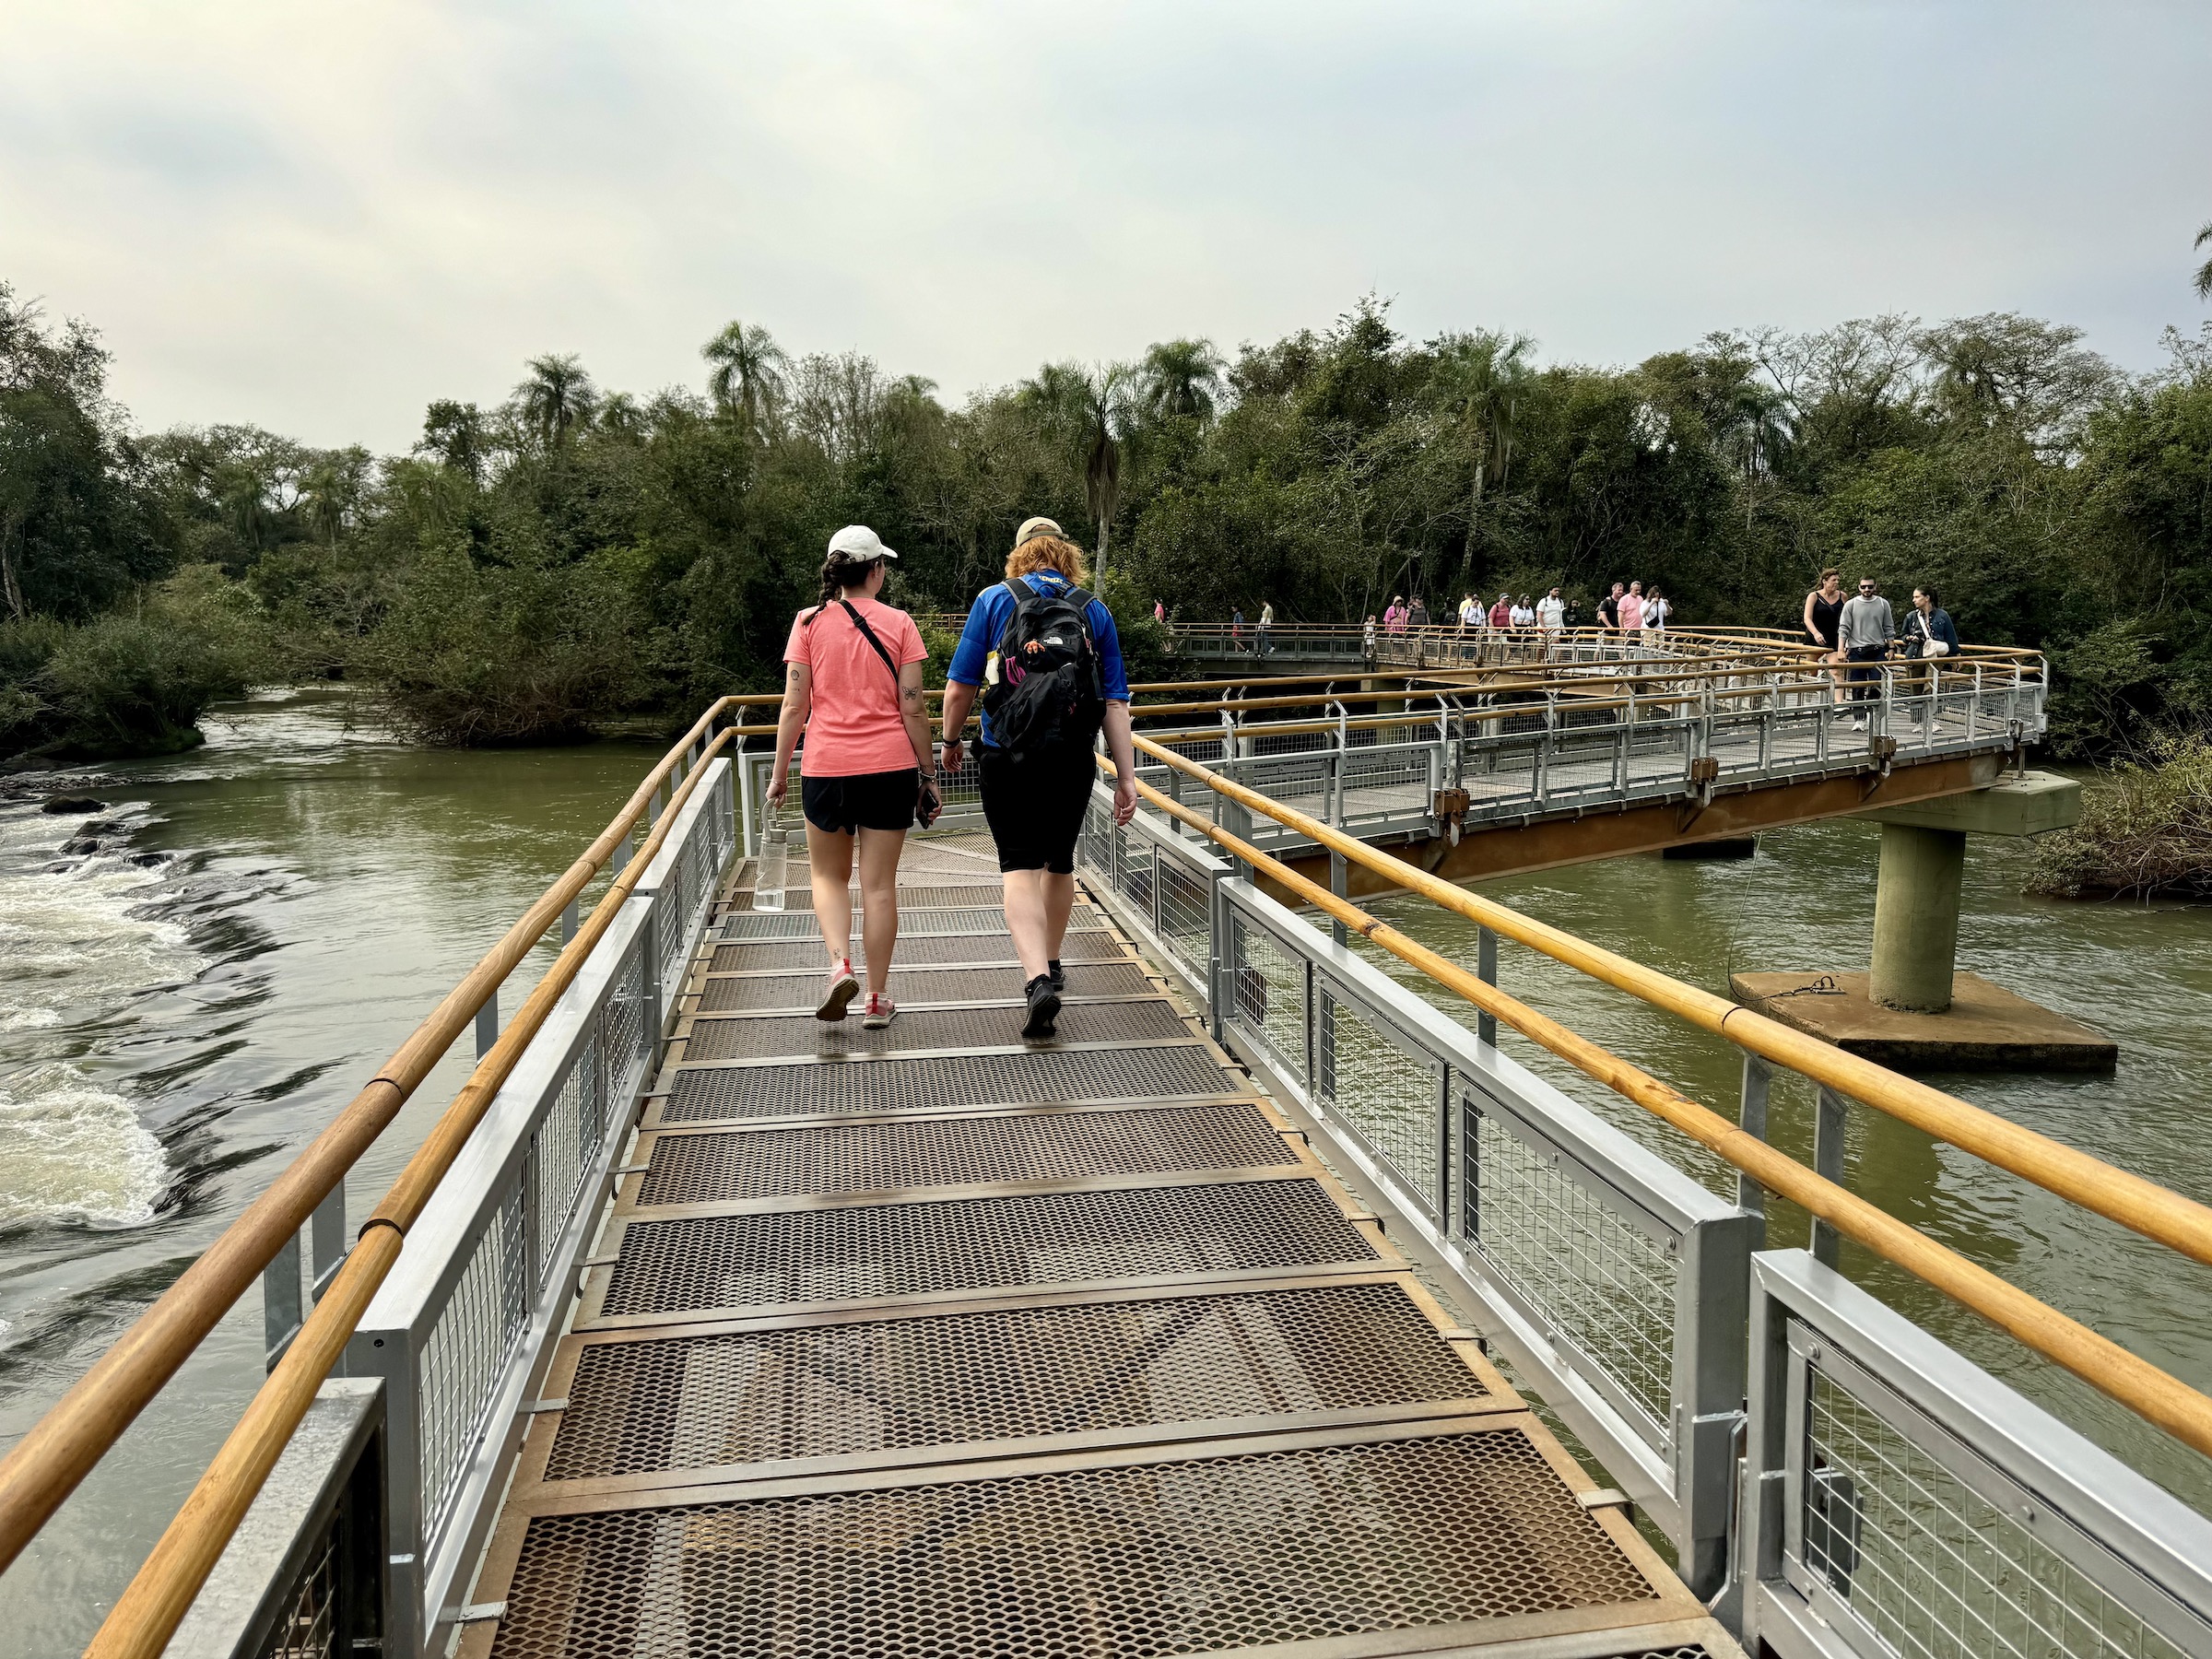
[[704, 1263], [666, 1403], [761, 1036], [1468, 1533], [942, 1082], [917, 987], [939, 1152]]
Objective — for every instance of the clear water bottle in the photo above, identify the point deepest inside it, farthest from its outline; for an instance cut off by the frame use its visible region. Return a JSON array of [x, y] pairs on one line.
[[775, 855]]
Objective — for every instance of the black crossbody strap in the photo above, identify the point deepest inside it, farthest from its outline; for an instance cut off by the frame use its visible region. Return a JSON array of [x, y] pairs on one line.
[[868, 633]]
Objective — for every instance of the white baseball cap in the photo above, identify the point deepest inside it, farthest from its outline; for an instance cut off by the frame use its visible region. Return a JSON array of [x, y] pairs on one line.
[[857, 541]]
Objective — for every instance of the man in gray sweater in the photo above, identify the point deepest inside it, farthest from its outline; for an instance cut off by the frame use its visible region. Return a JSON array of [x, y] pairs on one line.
[[1865, 631]]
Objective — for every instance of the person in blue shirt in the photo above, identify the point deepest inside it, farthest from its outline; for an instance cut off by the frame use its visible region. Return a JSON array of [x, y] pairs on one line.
[[1036, 814]]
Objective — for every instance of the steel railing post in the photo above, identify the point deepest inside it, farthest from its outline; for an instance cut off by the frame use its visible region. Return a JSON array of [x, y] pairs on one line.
[[1339, 884], [1828, 1162], [1713, 1288], [1217, 969], [648, 964], [1485, 969], [282, 1312], [327, 1236], [487, 1024], [1751, 1118]]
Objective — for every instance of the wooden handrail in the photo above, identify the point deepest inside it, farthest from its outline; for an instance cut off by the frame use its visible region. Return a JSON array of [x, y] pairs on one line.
[[148, 1613], [61, 1448], [2156, 1212], [2153, 1395]]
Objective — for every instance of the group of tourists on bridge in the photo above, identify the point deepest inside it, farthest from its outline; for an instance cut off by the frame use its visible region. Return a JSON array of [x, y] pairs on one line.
[[1858, 635], [1629, 609], [1042, 657]]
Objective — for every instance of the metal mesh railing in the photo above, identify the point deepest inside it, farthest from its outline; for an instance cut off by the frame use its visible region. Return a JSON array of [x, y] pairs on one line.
[[1268, 994], [308, 1629], [558, 1156], [1588, 1274], [487, 1279], [1935, 1569], [1395, 1101], [468, 1349]]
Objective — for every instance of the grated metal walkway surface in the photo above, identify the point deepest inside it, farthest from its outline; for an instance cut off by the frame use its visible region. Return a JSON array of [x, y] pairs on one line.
[[932, 1342]]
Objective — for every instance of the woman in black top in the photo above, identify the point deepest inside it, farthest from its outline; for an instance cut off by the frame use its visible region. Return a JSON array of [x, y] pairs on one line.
[[1823, 618]]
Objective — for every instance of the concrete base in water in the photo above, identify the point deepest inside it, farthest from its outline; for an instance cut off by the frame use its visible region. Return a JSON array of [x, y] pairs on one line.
[[1985, 1028]]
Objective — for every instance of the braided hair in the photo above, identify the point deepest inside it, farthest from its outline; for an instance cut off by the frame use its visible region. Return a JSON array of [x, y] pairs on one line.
[[840, 571]]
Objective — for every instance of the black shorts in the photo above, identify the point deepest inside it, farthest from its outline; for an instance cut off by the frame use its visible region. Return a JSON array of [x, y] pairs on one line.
[[1035, 808], [864, 801]]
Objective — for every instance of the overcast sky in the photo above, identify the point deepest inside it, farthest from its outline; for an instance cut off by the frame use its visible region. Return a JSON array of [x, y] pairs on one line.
[[319, 217]]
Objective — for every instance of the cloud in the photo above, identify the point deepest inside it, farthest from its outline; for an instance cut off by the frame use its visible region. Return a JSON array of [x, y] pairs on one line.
[[319, 218]]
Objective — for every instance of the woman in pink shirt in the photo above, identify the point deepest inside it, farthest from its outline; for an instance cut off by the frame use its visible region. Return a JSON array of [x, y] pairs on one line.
[[854, 684], [1393, 615]]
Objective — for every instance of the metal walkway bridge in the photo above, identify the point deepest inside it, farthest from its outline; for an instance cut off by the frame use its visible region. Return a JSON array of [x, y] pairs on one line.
[[925, 1341], [696, 1327]]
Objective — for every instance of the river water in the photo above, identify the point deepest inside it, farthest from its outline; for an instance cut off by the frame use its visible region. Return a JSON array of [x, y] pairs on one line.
[[170, 1034]]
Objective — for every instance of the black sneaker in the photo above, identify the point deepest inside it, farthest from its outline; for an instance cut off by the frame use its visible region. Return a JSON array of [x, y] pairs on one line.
[[1059, 975], [1043, 1005]]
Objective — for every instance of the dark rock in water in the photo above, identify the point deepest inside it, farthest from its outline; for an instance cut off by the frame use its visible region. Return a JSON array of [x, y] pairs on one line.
[[103, 827], [59, 869], [146, 861], [1730, 846], [61, 804], [82, 844]]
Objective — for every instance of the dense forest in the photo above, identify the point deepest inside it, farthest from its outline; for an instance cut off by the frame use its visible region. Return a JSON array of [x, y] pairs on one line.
[[575, 555]]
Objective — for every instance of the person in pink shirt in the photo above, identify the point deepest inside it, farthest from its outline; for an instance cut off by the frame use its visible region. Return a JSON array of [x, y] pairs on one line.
[[1631, 609], [1394, 614], [853, 684], [1501, 613]]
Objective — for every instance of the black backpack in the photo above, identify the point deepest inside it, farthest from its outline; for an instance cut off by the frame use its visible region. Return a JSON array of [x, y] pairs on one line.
[[1043, 691]]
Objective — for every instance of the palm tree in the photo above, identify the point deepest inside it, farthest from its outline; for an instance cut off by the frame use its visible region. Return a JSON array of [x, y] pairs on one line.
[[2203, 272], [1087, 408], [745, 379], [1105, 409], [1757, 426], [1179, 379], [1482, 378], [622, 416], [331, 491], [558, 397]]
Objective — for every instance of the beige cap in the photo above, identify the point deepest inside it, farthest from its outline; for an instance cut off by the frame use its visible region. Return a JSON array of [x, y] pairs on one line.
[[1033, 528], [859, 542]]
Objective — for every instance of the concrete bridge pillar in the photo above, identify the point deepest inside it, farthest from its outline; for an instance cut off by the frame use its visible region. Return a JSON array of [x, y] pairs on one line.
[[1912, 1009], [1916, 917]]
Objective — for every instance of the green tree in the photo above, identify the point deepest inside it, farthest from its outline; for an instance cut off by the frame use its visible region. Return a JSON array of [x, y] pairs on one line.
[[745, 376], [1179, 380], [1481, 378], [555, 399]]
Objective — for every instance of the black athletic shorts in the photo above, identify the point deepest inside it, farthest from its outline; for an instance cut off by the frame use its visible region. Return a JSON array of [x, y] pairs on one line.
[[1035, 808], [864, 801]]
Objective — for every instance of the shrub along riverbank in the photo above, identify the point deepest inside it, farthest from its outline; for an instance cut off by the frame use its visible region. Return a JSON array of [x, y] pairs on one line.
[[2145, 832]]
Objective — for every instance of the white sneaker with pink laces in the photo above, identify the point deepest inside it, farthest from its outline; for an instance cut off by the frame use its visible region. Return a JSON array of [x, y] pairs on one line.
[[843, 988], [881, 1010]]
